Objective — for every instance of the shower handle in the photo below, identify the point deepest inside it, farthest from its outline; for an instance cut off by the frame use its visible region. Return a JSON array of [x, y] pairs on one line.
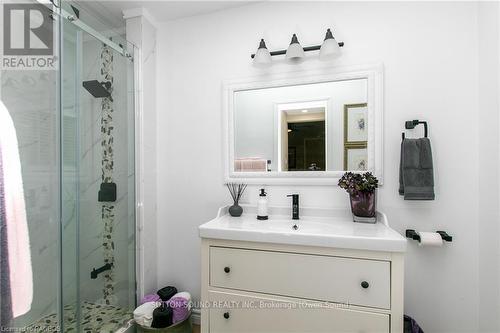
[[96, 272]]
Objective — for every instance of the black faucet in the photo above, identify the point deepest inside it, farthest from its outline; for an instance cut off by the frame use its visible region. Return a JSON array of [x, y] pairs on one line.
[[96, 272], [295, 206]]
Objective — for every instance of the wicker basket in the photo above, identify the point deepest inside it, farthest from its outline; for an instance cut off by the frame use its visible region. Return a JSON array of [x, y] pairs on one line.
[[180, 327]]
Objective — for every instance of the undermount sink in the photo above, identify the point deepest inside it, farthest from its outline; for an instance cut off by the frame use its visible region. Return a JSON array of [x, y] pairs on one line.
[[316, 227]]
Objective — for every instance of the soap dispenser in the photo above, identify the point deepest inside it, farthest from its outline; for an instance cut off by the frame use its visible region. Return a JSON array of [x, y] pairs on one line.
[[262, 206]]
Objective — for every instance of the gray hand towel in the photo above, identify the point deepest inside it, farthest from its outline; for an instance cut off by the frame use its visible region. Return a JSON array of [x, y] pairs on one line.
[[416, 173]]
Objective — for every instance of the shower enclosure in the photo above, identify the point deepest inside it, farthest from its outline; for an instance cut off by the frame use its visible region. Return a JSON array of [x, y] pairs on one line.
[[75, 127]]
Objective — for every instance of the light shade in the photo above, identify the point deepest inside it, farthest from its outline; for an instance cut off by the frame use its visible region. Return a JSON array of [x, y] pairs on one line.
[[330, 47], [295, 50], [262, 56]]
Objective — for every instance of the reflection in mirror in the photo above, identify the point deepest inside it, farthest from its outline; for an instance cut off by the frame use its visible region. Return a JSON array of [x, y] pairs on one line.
[[309, 128], [302, 128]]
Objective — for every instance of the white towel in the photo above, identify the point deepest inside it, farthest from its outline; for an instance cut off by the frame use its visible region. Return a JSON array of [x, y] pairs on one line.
[[143, 315], [250, 164], [18, 243]]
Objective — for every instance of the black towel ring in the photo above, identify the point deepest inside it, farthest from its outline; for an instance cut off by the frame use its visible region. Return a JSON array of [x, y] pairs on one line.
[[410, 124]]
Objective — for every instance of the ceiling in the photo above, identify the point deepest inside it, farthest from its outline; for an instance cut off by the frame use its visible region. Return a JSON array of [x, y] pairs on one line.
[[162, 11]]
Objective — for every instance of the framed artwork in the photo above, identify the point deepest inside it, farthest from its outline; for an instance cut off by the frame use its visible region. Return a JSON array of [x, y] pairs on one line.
[[355, 158], [355, 124]]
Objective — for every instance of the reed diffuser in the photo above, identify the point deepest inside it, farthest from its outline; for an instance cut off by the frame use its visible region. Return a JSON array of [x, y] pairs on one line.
[[236, 190]]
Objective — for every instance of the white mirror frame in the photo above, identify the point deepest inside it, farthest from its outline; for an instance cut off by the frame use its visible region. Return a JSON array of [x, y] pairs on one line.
[[374, 75]]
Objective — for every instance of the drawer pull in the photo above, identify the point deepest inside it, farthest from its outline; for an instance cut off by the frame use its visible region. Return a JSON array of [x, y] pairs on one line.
[[226, 315], [365, 285], [227, 269]]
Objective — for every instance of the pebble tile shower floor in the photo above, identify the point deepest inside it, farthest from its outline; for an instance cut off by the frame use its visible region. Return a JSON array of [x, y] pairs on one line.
[[95, 318]]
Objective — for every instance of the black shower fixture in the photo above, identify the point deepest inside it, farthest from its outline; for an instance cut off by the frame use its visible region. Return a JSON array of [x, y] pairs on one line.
[[98, 89]]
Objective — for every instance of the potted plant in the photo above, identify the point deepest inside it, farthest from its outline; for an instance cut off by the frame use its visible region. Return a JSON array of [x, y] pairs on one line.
[[361, 188]]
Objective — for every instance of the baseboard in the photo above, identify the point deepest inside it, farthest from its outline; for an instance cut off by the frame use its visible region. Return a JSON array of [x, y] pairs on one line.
[[196, 316]]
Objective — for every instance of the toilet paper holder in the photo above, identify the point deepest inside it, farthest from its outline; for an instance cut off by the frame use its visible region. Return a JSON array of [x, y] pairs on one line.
[[410, 233]]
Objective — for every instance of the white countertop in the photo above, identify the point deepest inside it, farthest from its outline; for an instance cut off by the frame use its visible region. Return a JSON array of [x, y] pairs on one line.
[[316, 227]]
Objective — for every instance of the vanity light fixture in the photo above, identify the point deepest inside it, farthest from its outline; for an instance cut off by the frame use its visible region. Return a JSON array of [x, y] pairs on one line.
[[262, 56], [329, 49], [295, 51]]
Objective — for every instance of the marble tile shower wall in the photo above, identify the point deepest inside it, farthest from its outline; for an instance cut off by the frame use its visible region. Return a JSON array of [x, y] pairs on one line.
[[92, 227], [31, 99], [107, 176]]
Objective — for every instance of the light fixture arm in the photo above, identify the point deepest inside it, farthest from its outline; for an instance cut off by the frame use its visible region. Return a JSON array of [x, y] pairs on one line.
[[306, 49]]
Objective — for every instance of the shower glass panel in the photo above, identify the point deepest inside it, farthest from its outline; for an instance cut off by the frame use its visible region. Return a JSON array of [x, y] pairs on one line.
[[31, 99], [75, 128], [97, 155]]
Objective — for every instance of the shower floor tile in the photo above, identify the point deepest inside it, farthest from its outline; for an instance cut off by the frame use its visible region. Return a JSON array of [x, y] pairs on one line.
[[95, 318]]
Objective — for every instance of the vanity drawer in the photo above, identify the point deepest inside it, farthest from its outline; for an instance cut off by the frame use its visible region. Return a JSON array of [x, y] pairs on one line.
[[333, 279], [267, 315]]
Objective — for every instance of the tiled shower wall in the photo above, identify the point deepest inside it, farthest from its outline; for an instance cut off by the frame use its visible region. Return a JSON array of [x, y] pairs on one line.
[[116, 243]]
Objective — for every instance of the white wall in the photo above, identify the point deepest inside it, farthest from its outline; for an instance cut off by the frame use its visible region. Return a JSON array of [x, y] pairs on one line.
[[430, 53], [141, 31], [488, 213]]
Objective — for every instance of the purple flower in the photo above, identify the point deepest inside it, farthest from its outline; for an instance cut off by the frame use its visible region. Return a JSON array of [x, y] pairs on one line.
[[355, 183]]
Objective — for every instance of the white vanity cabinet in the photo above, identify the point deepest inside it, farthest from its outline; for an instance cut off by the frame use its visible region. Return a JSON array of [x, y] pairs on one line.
[[277, 285]]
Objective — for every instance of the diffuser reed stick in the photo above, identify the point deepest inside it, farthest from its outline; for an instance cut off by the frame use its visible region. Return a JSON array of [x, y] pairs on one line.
[[236, 190]]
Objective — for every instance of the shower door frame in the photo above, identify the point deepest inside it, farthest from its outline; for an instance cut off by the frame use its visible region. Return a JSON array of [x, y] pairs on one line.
[[139, 175]]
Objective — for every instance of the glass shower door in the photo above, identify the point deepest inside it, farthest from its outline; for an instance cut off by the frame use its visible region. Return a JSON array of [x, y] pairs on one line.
[[75, 133], [97, 185]]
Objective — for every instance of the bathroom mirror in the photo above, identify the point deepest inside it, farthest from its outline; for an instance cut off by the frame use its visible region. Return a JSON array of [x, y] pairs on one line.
[[303, 128]]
